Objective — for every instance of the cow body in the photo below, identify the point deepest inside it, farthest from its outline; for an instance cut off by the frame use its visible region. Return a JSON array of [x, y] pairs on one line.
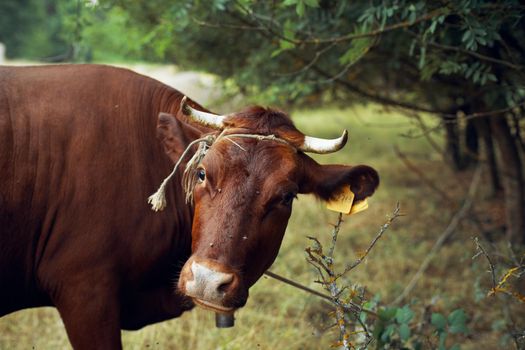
[[78, 159], [81, 149]]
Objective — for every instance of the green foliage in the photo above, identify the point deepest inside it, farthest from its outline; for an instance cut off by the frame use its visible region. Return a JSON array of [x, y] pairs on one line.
[[31, 28], [401, 328], [293, 51], [439, 321], [270, 49], [65, 30], [301, 5], [108, 48]]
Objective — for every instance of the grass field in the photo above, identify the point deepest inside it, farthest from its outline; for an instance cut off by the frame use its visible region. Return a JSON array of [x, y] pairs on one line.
[[280, 317]]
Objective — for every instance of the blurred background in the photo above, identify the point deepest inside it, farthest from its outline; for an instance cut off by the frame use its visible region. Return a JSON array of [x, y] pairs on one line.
[[433, 95]]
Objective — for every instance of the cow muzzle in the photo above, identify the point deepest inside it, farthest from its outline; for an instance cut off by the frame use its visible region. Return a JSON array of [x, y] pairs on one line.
[[212, 286]]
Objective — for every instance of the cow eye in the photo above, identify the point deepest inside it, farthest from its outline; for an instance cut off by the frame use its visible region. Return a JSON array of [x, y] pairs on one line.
[[288, 198], [201, 174]]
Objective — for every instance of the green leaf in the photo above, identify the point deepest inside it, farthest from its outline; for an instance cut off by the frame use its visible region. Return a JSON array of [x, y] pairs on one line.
[[379, 327], [387, 314], [455, 347], [286, 45], [404, 332], [404, 315], [449, 67], [483, 79], [389, 330], [438, 321], [422, 56], [412, 17], [289, 30], [276, 53], [300, 8], [412, 47], [442, 340], [480, 31], [289, 2], [472, 45], [475, 77], [467, 36], [471, 69], [357, 50], [362, 317], [456, 321], [491, 77], [432, 27]]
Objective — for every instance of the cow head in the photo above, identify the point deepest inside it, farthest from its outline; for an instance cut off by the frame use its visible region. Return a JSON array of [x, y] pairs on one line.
[[243, 191]]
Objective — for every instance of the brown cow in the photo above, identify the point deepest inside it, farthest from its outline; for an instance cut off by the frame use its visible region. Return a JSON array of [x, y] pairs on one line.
[[81, 149]]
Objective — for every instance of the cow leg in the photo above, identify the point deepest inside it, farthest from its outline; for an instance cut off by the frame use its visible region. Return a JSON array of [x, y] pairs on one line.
[[91, 316]]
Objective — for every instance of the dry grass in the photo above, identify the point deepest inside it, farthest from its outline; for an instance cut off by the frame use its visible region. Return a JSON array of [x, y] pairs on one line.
[[280, 317]]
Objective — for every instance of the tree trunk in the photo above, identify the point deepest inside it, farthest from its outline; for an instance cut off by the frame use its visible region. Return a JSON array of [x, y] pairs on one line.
[[483, 128], [512, 179], [471, 155], [452, 148]]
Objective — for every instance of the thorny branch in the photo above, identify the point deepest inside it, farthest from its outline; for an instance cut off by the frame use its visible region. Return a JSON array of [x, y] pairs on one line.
[[345, 307], [517, 271], [396, 213], [499, 287], [482, 250]]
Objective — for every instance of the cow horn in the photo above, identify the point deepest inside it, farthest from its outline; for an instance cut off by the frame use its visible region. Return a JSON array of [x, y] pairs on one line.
[[323, 146], [210, 120]]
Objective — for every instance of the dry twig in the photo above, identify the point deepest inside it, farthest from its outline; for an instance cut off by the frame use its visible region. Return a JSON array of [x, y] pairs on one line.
[[499, 287], [482, 250], [345, 307]]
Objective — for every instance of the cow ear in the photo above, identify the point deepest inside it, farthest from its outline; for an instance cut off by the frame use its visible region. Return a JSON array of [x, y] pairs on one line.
[[326, 181], [175, 135]]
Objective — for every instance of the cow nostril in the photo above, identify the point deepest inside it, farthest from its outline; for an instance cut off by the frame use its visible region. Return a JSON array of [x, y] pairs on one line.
[[223, 287], [225, 284]]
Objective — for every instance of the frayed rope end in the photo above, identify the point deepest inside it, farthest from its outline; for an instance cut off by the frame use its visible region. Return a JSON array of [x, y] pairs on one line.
[[158, 199]]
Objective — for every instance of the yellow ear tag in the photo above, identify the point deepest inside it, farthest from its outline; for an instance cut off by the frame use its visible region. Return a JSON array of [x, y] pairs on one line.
[[342, 202], [359, 206]]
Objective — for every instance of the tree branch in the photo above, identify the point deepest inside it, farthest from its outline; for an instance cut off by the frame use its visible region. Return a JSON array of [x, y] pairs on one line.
[[482, 250], [395, 214], [475, 54], [448, 114], [467, 52], [352, 36]]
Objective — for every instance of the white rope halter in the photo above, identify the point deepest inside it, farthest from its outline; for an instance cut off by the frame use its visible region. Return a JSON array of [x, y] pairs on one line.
[[158, 199]]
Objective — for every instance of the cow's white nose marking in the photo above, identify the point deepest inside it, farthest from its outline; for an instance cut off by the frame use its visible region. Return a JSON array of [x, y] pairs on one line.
[[206, 283]]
